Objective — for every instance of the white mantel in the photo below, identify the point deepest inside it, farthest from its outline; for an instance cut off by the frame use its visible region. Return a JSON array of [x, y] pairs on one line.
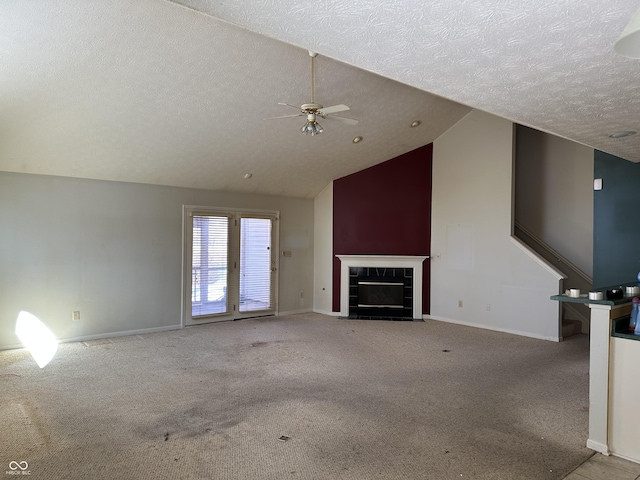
[[381, 261]]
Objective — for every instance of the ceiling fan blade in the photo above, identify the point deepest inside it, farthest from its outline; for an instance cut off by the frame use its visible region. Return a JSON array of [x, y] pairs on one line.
[[289, 105], [348, 121], [286, 116], [334, 109]]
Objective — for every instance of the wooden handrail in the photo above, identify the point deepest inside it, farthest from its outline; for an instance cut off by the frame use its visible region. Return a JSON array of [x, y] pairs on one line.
[[555, 253]]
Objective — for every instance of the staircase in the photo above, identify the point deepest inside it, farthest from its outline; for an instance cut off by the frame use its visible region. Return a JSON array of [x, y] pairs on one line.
[[570, 327], [575, 316]]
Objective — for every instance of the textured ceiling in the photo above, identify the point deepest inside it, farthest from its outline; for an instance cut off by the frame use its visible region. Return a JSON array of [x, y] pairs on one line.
[[548, 64], [156, 92], [149, 91]]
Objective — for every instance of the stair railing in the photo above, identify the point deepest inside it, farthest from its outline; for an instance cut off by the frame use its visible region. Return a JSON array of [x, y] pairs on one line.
[[558, 256]]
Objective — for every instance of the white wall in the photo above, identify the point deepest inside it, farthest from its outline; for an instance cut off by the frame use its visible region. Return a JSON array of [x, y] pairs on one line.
[[554, 194], [113, 251], [323, 255], [502, 286]]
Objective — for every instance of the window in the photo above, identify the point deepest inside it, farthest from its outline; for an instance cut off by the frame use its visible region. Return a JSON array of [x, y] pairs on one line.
[[230, 264]]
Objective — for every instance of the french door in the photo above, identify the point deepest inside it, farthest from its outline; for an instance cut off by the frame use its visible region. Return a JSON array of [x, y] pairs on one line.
[[230, 264]]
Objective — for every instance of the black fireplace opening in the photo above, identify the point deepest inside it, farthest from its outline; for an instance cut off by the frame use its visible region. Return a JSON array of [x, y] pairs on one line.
[[381, 293], [375, 294]]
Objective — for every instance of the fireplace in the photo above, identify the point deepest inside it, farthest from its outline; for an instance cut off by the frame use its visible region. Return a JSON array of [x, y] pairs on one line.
[[374, 293], [381, 293], [381, 287]]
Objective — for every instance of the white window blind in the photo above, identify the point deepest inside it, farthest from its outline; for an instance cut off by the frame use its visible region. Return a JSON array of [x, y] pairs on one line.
[[255, 264], [209, 265]]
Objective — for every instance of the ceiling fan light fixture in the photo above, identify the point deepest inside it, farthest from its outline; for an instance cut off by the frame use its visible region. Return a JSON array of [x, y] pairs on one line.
[[312, 127], [313, 110]]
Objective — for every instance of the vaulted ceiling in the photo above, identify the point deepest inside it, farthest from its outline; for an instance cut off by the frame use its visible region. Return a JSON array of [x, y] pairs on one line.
[[177, 92]]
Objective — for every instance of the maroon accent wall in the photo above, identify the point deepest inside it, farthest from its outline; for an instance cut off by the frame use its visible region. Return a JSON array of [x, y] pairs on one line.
[[384, 210]]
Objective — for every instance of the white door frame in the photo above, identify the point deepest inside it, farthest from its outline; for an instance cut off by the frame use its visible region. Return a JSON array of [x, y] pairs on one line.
[[188, 211]]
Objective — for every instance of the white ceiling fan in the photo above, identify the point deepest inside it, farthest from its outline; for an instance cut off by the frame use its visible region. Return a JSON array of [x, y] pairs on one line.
[[314, 110]]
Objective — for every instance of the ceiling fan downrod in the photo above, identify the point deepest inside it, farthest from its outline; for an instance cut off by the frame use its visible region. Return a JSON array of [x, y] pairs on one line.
[[313, 76]]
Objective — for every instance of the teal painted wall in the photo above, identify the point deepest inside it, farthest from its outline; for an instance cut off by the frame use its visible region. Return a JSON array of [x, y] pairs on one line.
[[616, 221]]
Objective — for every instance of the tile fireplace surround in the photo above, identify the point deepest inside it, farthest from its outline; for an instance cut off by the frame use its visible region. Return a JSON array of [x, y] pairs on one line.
[[381, 261]]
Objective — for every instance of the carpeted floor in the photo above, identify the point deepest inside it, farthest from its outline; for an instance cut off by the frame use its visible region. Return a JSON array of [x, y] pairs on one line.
[[356, 399]]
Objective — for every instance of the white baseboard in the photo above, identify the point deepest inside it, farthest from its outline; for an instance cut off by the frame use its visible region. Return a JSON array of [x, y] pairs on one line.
[[491, 327], [294, 312], [126, 333], [598, 447], [11, 346], [87, 338], [324, 312], [624, 457]]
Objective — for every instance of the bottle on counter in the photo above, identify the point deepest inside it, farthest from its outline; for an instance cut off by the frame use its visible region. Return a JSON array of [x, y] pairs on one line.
[[633, 321]]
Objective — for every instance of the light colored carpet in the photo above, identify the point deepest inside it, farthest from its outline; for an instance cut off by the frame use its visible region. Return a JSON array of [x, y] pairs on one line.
[[358, 399]]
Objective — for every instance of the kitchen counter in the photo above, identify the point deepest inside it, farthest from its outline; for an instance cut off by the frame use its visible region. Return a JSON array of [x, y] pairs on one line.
[[584, 298], [611, 395]]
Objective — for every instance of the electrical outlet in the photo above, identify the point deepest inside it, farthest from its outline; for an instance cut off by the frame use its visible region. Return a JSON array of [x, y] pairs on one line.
[[488, 307], [459, 303], [75, 315]]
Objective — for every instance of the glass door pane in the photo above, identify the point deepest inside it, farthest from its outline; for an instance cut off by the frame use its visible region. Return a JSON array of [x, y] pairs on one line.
[[210, 249], [255, 264]]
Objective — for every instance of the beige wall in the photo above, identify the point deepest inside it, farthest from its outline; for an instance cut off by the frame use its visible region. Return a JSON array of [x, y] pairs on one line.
[[554, 194], [475, 260], [623, 397], [113, 251], [323, 255]]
